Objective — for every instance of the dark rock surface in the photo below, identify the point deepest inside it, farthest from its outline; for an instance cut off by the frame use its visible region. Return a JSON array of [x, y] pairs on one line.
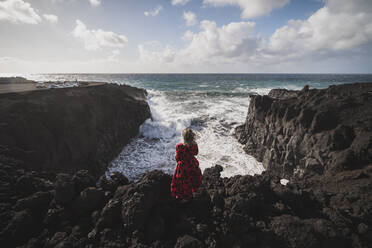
[[329, 209], [69, 129], [313, 131], [242, 211], [15, 80]]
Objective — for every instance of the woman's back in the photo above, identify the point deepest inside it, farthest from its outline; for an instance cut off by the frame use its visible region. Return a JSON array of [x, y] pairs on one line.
[[187, 175], [185, 153]]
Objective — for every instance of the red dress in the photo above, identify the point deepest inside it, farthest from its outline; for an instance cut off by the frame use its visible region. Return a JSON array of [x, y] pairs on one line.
[[187, 175]]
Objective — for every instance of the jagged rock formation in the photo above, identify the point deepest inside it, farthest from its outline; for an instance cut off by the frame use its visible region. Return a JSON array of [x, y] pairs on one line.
[[310, 131], [59, 210], [331, 207], [15, 80], [69, 129]]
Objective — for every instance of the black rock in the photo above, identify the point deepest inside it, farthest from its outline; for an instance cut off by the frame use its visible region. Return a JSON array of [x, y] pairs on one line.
[[88, 200], [82, 179], [37, 201], [188, 241], [317, 131], [64, 189], [110, 214], [20, 229], [70, 129]]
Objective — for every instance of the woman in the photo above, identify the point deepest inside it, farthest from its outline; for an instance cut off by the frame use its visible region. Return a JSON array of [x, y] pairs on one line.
[[187, 175]]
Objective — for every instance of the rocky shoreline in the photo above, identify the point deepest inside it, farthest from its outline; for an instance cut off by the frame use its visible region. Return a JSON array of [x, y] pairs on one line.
[[69, 129], [326, 205], [301, 133]]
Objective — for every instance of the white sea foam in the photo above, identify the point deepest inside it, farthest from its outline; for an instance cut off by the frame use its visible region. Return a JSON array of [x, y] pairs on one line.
[[266, 90], [241, 90], [290, 87], [261, 91], [155, 147], [223, 149], [213, 120], [176, 104]]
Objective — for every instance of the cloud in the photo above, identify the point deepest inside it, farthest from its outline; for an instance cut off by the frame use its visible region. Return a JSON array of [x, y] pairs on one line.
[[113, 56], [97, 39], [339, 26], [154, 12], [107, 62], [339, 32], [95, 3], [211, 44], [18, 11], [51, 18], [235, 40], [180, 2], [341, 29], [190, 18], [149, 55], [250, 8]]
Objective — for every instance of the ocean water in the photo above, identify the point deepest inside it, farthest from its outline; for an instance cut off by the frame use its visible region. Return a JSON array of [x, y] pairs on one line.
[[211, 104]]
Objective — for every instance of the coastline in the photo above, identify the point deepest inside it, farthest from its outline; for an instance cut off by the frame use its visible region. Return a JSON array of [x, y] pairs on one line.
[[70, 128], [319, 208]]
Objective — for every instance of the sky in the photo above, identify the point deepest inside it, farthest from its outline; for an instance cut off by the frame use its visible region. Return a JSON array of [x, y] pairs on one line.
[[185, 36]]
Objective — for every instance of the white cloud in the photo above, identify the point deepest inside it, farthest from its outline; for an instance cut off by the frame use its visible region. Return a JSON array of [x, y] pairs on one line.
[[190, 18], [154, 12], [338, 31], [18, 11], [95, 3], [341, 25], [149, 55], [211, 44], [51, 18], [113, 56], [180, 2], [335, 38], [235, 40], [104, 63], [97, 39], [250, 8]]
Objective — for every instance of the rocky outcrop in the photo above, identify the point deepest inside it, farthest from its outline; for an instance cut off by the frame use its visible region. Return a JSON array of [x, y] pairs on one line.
[[59, 210], [327, 208], [308, 132], [15, 80], [69, 129]]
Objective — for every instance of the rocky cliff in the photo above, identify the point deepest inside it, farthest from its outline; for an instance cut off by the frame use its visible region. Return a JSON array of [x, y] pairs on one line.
[[62, 210], [310, 131], [68, 129], [331, 207]]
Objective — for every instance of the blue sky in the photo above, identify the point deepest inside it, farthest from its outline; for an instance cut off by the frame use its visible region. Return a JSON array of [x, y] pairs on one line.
[[114, 36]]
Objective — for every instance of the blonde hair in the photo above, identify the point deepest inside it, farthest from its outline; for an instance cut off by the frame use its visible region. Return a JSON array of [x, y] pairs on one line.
[[188, 137]]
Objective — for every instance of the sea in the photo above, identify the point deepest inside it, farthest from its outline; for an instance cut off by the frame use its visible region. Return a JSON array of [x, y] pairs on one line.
[[213, 105]]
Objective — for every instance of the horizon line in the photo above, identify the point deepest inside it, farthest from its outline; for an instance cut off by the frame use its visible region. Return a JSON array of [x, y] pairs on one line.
[[188, 73]]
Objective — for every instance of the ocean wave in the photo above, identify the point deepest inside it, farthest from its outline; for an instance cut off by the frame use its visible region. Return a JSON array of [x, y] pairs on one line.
[[213, 105], [261, 91], [265, 90], [203, 94], [213, 120]]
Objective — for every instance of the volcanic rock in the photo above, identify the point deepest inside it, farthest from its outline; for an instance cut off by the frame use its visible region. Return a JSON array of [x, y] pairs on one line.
[[69, 129], [188, 241], [88, 200], [327, 206], [299, 133], [36, 201], [64, 189]]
